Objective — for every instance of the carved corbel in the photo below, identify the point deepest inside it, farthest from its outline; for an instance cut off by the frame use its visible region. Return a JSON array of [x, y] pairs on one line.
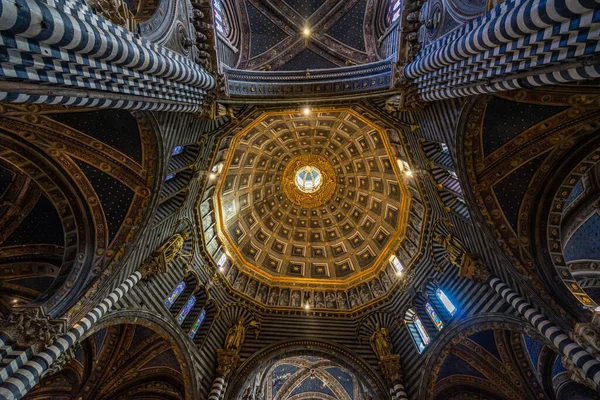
[[408, 97], [227, 361]]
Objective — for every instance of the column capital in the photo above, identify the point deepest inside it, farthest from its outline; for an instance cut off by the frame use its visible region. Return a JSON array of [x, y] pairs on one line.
[[408, 97], [587, 335], [390, 368], [61, 361], [31, 326], [227, 361]]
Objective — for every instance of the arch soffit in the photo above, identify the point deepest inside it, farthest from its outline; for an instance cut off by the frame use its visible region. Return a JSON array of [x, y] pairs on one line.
[[455, 332], [268, 356], [164, 327], [554, 137]]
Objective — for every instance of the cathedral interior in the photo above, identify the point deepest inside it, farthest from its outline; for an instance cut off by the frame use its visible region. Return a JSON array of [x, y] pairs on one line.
[[300, 199]]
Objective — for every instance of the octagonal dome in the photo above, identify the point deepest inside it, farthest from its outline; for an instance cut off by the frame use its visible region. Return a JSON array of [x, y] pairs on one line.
[[313, 204]]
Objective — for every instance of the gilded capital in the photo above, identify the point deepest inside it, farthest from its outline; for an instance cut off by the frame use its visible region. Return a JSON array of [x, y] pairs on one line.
[[227, 361], [390, 368]]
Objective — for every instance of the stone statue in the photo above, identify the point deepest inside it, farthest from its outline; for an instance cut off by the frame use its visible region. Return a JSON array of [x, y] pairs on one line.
[[380, 342], [235, 336]]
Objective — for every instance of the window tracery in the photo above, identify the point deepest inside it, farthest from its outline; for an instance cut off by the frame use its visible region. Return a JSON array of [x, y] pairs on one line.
[[221, 21], [434, 317], [175, 294], [197, 324], [445, 301], [418, 332], [186, 309]]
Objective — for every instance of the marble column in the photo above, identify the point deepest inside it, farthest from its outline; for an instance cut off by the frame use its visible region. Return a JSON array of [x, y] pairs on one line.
[[52, 54], [473, 268], [518, 44]]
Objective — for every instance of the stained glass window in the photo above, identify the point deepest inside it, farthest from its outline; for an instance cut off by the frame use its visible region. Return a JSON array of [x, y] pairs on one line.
[[186, 310], [221, 22], [434, 317], [175, 294], [445, 301], [394, 11], [422, 332], [177, 150], [197, 324], [169, 177], [396, 264]]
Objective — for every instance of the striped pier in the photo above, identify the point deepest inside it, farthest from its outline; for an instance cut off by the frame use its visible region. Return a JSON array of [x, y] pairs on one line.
[[217, 388], [580, 357], [31, 372], [398, 391], [51, 56], [518, 44]]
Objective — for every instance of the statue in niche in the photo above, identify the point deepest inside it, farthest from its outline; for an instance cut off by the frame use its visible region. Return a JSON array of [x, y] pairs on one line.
[[237, 333], [380, 342], [262, 293], [385, 280], [319, 302], [296, 298], [342, 301], [376, 288], [274, 296], [412, 234], [172, 248], [364, 293], [354, 300], [252, 287], [284, 299], [232, 274], [235, 336], [240, 282], [165, 254], [330, 300]]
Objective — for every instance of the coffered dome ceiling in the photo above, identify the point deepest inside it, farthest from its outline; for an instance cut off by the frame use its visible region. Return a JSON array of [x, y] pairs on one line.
[[314, 202]]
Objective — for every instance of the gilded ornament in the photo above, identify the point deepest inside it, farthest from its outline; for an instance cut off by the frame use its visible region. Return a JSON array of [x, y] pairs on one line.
[[319, 196]]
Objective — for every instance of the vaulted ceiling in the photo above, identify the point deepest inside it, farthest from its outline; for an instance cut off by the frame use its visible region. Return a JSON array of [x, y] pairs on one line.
[[119, 362], [330, 248], [341, 34]]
